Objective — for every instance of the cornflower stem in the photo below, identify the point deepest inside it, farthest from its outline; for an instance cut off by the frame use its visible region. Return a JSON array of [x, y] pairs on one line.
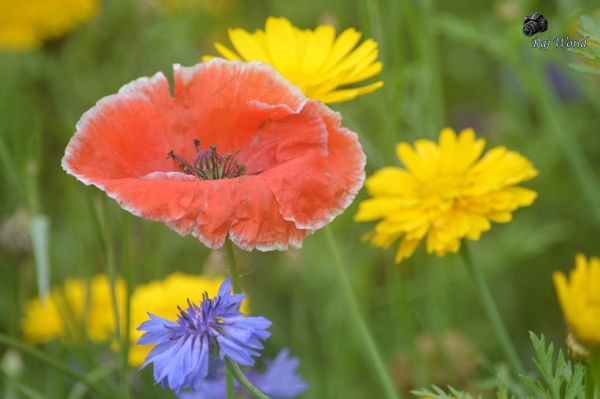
[[230, 387], [357, 319], [56, 364], [492, 312], [235, 370], [232, 368]]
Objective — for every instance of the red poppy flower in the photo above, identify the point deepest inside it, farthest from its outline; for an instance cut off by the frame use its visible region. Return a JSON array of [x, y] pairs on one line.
[[236, 151]]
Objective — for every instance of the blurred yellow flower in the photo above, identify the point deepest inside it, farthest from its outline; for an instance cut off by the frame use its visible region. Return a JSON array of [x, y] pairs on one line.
[[68, 309], [579, 298], [317, 62], [162, 298], [68, 312], [446, 192], [25, 24]]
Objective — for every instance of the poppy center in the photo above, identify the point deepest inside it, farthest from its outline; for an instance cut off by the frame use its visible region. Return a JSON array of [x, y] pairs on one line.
[[208, 164]]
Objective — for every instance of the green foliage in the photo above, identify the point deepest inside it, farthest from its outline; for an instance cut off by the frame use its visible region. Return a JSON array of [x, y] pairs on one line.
[[438, 393], [590, 26], [560, 379]]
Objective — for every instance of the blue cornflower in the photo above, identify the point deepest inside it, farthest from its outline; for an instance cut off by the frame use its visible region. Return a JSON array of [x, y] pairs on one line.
[[202, 333], [278, 381]]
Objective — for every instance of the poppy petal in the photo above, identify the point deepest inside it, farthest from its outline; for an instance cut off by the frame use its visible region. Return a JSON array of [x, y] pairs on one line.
[[122, 135], [226, 102], [257, 223], [313, 190]]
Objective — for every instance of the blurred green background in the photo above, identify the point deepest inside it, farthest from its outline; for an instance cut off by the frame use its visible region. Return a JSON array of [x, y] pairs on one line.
[[455, 64]]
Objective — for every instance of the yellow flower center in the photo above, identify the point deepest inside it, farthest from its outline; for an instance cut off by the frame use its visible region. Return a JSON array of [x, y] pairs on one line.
[[440, 194]]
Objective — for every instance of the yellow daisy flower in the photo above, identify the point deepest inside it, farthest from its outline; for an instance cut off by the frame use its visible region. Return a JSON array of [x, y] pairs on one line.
[[447, 191], [25, 24], [65, 310], [162, 298], [317, 62], [579, 298]]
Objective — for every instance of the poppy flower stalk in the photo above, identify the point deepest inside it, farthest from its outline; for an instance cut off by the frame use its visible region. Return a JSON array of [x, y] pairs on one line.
[[233, 369]]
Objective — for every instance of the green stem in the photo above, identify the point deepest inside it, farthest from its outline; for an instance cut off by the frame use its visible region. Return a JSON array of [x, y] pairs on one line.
[[359, 323], [592, 383], [14, 384], [54, 363], [407, 323], [589, 383], [492, 312], [125, 336], [230, 388], [433, 100], [109, 248], [233, 267], [232, 367]]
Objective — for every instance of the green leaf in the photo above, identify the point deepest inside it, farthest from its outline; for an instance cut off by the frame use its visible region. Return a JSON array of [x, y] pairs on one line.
[[560, 379], [437, 393], [590, 26]]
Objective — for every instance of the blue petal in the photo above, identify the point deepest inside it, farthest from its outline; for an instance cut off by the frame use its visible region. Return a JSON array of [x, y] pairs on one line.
[[225, 288], [234, 351], [280, 380]]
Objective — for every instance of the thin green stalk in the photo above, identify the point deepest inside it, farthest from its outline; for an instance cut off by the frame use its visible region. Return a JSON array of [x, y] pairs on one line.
[[109, 249], [233, 267], [357, 320], [20, 387], [592, 382], [589, 384], [232, 367], [492, 312], [125, 336], [230, 388], [81, 391], [408, 327], [54, 363], [431, 79]]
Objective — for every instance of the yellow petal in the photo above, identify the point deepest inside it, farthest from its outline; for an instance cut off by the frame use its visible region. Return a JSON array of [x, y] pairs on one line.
[[406, 249], [348, 94], [318, 48], [281, 44], [247, 46], [225, 52], [342, 46], [364, 74]]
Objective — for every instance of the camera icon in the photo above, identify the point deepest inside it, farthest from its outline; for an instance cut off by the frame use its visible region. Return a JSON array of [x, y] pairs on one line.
[[534, 23]]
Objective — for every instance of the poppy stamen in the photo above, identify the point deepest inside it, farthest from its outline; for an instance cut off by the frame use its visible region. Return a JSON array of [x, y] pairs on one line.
[[209, 164], [183, 165]]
